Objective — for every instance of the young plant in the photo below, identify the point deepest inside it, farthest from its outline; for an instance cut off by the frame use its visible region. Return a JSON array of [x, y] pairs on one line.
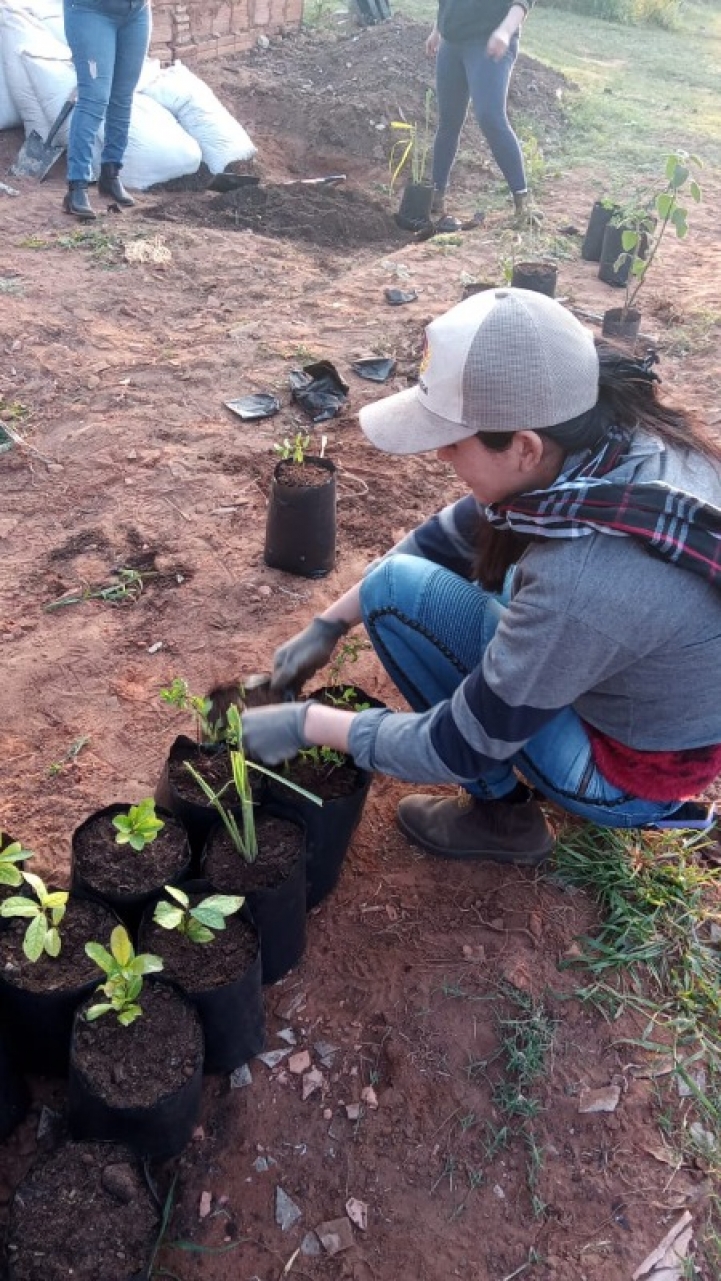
[[178, 694], [124, 973], [10, 856], [139, 827], [295, 450], [198, 923], [348, 700], [348, 652], [46, 911], [643, 230], [412, 147], [323, 758]]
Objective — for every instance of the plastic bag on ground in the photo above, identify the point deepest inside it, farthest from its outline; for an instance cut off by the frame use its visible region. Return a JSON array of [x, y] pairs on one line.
[[221, 138]]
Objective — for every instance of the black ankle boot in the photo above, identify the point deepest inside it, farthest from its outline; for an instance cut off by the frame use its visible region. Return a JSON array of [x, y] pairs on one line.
[[76, 202], [109, 184]]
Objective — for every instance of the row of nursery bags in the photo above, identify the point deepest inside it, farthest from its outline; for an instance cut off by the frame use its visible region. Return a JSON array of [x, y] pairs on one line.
[[176, 119]]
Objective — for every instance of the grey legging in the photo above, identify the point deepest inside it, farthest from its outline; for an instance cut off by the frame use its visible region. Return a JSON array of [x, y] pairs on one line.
[[465, 72]]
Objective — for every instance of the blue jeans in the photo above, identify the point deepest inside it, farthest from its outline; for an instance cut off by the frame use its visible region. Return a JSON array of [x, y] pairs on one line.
[[464, 72], [109, 40], [430, 628]]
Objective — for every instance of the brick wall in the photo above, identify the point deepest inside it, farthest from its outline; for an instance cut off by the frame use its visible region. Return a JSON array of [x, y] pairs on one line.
[[198, 30]]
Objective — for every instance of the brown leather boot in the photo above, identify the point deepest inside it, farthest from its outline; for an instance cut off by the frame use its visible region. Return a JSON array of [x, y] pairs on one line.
[[465, 828]]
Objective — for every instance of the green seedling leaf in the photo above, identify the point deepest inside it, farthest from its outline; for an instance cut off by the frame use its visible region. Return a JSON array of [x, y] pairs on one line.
[[10, 856], [208, 916], [198, 933], [226, 904], [52, 942], [695, 192], [129, 1014], [664, 204], [177, 894], [95, 1011], [124, 971], [120, 945], [167, 916], [17, 905], [629, 240], [35, 936], [101, 956], [680, 176], [145, 964], [139, 826]]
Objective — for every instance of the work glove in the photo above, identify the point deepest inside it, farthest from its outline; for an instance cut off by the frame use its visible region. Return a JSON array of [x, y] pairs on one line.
[[276, 733], [303, 655]]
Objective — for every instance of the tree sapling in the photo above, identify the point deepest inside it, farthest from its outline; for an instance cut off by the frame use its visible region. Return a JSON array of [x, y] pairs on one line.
[[46, 911], [124, 973], [139, 827], [10, 856], [198, 923]]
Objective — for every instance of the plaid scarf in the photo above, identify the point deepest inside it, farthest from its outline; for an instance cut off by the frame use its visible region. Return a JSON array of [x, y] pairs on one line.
[[587, 498]]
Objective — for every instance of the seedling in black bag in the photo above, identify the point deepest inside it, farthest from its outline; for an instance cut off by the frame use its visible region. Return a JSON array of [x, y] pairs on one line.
[[199, 923], [293, 452], [139, 826], [177, 694], [124, 973], [46, 911]]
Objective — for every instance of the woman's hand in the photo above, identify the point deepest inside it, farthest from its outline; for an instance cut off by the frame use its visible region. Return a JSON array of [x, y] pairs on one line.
[[433, 43], [275, 734], [498, 43], [303, 655]]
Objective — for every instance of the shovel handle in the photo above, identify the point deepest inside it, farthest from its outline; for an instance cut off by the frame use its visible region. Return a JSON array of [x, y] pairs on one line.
[[60, 121]]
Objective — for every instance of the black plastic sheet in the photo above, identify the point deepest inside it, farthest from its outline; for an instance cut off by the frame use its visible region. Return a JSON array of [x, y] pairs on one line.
[[319, 390]]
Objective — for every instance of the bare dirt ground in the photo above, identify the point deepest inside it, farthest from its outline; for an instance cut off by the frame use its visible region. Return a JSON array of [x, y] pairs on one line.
[[116, 374]]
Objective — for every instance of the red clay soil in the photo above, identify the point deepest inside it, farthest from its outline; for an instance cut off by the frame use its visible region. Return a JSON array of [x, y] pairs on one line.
[[116, 374]]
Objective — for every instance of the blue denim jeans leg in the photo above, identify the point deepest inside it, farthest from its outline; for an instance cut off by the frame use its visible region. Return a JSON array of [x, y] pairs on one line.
[[430, 628], [109, 40], [464, 72]]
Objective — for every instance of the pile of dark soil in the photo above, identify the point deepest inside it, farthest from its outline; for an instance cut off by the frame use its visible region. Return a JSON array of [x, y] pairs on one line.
[[329, 217]]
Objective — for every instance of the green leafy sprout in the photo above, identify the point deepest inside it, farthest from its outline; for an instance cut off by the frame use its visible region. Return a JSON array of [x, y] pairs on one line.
[[199, 923], [349, 651], [323, 757], [295, 450], [348, 699], [10, 856], [45, 911], [139, 827], [124, 973], [178, 694], [242, 835], [644, 230], [412, 147]]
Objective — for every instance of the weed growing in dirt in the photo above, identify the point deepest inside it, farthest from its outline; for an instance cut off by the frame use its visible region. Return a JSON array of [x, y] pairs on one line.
[[105, 247], [68, 757], [12, 411], [347, 653], [178, 694], [656, 952], [45, 911], [126, 591]]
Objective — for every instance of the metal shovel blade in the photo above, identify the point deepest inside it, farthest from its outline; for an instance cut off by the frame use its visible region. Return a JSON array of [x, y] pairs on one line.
[[37, 155]]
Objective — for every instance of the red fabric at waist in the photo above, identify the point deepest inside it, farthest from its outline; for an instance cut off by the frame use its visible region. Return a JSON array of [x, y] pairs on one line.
[[655, 776]]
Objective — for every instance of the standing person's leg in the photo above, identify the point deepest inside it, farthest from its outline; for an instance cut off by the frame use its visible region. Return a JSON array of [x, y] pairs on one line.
[[90, 31], [488, 81], [452, 95], [133, 40]]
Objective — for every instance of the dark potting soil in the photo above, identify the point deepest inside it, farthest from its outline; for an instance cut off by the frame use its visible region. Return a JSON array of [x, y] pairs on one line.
[[199, 966], [323, 778], [107, 866], [136, 1066], [83, 922], [84, 1212], [302, 475], [279, 844], [214, 767]]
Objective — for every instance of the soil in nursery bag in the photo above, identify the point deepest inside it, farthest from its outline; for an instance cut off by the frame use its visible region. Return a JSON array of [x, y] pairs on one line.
[[178, 791], [38, 998], [222, 979], [84, 1212], [274, 885], [140, 1084], [120, 874]]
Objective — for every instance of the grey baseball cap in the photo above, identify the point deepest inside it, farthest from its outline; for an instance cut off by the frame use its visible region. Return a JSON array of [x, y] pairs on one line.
[[503, 360]]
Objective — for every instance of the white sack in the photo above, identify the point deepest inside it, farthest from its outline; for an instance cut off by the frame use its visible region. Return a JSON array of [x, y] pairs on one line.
[[10, 117], [21, 31], [158, 148], [49, 12], [52, 80], [222, 139]]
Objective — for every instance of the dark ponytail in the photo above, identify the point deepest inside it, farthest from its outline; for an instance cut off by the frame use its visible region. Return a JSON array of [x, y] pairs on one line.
[[627, 398]]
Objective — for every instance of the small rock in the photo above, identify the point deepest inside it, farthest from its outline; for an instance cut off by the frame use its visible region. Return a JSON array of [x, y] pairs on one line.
[[327, 1114], [92, 381], [287, 1035], [48, 1123], [119, 1180], [265, 590], [369, 1097], [353, 1111], [473, 952], [263, 42], [273, 1057], [326, 1052], [206, 1200], [685, 1089], [155, 648], [310, 1244], [715, 933], [335, 1235], [357, 1212], [240, 1077], [299, 1063], [312, 1081], [573, 952], [198, 1134], [286, 1211], [261, 1164], [704, 1138], [498, 1191], [603, 1100]]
